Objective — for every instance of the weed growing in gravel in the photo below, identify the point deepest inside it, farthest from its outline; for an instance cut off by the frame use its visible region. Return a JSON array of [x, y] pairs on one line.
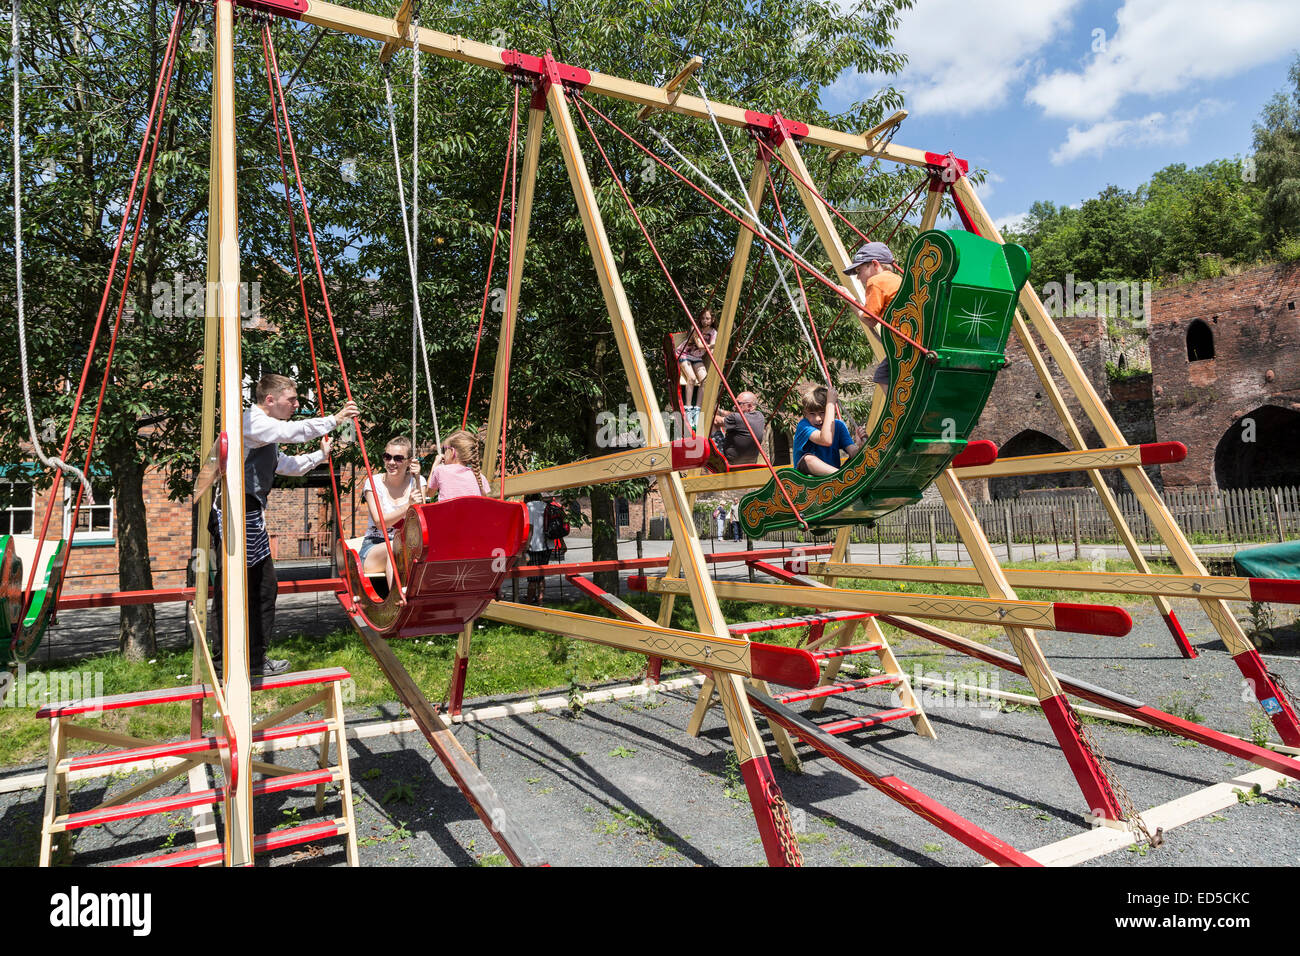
[[576, 703], [933, 848], [1260, 728], [1184, 705], [621, 751], [400, 792], [292, 818], [735, 784], [1254, 795]]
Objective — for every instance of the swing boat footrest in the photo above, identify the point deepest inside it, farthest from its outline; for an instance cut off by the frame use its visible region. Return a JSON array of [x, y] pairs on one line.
[[839, 687], [862, 723], [182, 748], [262, 843], [184, 801]]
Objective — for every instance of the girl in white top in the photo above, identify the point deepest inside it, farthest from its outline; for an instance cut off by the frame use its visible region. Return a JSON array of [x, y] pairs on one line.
[[398, 489]]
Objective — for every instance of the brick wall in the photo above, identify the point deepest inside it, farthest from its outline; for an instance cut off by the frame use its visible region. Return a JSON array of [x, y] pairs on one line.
[[1256, 331]]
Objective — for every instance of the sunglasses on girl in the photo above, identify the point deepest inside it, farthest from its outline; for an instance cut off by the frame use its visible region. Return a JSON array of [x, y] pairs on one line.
[[397, 458]]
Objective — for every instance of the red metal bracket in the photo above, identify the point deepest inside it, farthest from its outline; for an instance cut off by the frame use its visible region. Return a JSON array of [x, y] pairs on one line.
[[290, 9], [774, 127], [545, 71]]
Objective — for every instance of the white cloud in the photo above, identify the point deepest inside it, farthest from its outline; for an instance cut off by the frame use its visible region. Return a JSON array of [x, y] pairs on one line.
[[1015, 221], [963, 57], [988, 186], [1160, 47], [1154, 129]]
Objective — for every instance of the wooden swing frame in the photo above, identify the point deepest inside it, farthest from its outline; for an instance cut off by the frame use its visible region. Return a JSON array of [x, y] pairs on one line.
[[686, 563]]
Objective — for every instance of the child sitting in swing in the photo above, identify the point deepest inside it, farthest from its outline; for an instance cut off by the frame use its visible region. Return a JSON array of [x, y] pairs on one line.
[[455, 472], [820, 436]]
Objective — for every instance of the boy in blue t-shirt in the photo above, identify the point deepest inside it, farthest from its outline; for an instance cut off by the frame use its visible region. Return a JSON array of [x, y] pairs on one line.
[[821, 435]]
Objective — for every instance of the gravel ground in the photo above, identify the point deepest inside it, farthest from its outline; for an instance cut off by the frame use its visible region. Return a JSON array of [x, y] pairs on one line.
[[623, 784]]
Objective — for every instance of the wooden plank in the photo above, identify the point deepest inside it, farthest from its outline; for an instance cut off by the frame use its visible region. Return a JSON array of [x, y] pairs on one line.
[[1087, 459], [674, 86], [1101, 582], [384, 29], [1001, 612], [509, 318], [514, 841], [620, 466]]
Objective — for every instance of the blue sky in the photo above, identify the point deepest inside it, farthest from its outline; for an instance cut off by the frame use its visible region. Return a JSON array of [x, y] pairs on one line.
[[1059, 98]]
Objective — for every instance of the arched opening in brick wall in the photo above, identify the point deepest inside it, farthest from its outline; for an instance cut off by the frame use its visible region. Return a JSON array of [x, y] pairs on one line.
[[1259, 450], [1200, 342], [1031, 442]]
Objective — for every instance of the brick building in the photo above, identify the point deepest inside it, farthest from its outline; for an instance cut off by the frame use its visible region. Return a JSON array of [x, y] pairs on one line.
[[1020, 418], [1225, 358]]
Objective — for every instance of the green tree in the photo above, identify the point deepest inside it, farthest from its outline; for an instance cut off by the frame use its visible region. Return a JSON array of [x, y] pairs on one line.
[[88, 77], [1277, 160]]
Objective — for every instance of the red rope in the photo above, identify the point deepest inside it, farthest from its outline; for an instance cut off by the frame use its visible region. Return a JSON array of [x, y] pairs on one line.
[[686, 309], [912, 194], [903, 218], [487, 286], [930, 355], [507, 342], [329, 312], [813, 189], [803, 294], [153, 131], [302, 282]]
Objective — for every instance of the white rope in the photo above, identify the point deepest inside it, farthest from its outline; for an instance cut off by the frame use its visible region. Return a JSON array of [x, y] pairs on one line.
[[48, 461], [410, 258], [759, 312], [415, 215], [748, 212]]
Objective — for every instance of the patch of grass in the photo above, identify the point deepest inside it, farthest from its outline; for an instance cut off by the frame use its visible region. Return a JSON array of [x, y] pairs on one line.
[[621, 751], [374, 773], [933, 848], [401, 792], [492, 859], [812, 838], [1261, 729], [734, 788], [292, 818], [1184, 705]]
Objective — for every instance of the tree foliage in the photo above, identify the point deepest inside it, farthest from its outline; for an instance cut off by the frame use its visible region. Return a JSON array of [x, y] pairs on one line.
[[88, 74]]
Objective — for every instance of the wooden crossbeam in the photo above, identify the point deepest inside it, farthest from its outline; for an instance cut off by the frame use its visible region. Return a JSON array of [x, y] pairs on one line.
[[790, 666], [620, 466], [1046, 615], [1084, 459], [1103, 582], [674, 85], [403, 23], [875, 132]]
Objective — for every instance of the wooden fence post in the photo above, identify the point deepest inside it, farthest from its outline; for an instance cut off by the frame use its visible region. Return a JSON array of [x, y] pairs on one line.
[[1074, 514], [934, 543], [1006, 517]]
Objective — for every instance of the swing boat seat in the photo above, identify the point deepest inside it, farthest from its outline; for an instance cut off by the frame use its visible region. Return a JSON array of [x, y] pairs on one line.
[[716, 462], [452, 558], [958, 299], [17, 554]]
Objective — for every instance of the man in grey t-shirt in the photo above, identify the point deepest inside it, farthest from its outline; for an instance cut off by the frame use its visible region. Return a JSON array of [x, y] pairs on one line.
[[736, 444]]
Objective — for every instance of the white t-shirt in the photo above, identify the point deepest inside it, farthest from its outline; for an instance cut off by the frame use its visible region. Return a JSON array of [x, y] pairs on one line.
[[536, 526], [387, 503]]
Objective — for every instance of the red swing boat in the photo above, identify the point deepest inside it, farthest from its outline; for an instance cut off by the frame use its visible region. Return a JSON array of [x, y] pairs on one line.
[[452, 558]]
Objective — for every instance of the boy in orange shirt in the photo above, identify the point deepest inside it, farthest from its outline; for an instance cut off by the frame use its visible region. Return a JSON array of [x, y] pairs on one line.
[[873, 264]]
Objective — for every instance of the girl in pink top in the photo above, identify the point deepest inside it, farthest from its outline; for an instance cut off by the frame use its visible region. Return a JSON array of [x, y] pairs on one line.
[[455, 473]]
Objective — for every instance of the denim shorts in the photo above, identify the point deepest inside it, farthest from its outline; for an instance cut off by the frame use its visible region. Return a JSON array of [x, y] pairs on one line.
[[369, 542]]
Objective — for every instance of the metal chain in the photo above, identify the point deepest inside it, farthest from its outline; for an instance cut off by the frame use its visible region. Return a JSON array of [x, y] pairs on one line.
[[1131, 814], [1281, 685], [784, 831]]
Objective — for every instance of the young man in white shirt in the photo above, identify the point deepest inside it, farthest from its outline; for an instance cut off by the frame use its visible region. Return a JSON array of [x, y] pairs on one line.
[[266, 425]]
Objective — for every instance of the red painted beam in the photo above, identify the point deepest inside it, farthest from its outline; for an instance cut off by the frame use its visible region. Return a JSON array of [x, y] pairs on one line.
[[1092, 619], [1115, 701], [639, 564], [79, 602], [855, 762]]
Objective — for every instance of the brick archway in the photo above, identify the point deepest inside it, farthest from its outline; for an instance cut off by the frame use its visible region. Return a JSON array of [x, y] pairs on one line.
[[1259, 450], [1032, 442]]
